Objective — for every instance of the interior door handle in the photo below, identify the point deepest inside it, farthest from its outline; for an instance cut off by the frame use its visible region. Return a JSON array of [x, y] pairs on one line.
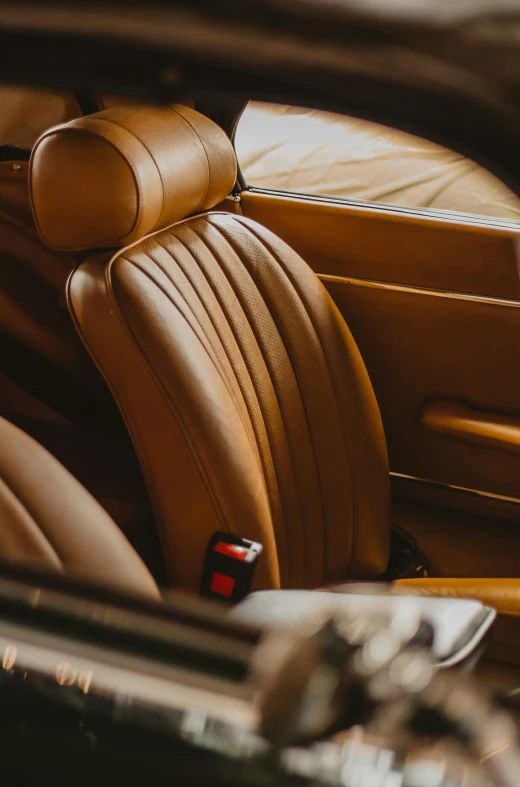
[[456, 419]]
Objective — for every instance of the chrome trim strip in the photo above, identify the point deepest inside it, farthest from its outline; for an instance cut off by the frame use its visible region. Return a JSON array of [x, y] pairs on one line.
[[411, 290], [455, 488], [430, 214]]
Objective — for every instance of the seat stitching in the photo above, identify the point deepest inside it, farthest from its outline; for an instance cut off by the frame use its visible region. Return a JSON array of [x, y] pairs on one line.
[[199, 139], [168, 399], [164, 271], [236, 251], [309, 431], [126, 326], [328, 366], [115, 394], [148, 476], [211, 356], [210, 319], [234, 333], [188, 313], [221, 369]]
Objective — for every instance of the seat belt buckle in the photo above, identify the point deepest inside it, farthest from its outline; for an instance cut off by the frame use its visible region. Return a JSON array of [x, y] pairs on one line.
[[229, 567]]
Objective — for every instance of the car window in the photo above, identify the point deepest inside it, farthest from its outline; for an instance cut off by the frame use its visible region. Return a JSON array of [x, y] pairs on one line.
[[319, 153]]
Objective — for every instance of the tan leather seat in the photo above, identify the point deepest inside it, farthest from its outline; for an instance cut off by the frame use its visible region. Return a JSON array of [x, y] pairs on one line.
[[245, 395], [48, 519], [241, 386]]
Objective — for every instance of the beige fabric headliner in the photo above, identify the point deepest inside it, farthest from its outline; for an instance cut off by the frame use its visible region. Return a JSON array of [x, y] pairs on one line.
[[320, 153], [25, 114]]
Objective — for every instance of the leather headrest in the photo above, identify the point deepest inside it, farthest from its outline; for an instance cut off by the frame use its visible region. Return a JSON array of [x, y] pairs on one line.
[[109, 179]]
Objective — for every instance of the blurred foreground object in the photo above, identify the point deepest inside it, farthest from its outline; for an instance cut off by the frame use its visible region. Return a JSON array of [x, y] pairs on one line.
[[104, 688], [378, 670]]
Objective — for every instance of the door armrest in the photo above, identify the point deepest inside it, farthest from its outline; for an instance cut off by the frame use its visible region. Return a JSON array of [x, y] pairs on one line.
[[501, 594], [455, 419]]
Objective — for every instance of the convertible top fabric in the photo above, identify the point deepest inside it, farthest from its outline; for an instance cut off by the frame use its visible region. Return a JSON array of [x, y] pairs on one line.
[[312, 152]]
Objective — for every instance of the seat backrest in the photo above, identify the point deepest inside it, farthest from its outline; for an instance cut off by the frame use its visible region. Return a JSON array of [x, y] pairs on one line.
[[48, 519], [241, 386]]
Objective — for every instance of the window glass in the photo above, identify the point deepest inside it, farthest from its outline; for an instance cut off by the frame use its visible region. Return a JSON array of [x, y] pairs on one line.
[[320, 153]]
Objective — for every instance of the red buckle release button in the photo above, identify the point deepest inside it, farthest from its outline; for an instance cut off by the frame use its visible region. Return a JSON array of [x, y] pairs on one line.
[[222, 584], [232, 550], [229, 566]]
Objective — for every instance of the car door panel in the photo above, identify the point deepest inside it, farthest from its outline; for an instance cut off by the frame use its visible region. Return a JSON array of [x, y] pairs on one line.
[[420, 347], [433, 302]]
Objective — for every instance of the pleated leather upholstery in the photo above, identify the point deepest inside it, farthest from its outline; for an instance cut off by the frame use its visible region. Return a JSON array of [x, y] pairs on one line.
[[246, 397]]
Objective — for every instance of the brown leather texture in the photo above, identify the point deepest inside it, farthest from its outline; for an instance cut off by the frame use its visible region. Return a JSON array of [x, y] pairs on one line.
[[501, 594], [434, 306], [246, 397], [458, 349], [49, 519], [108, 179], [393, 245], [463, 423], [49, 386]]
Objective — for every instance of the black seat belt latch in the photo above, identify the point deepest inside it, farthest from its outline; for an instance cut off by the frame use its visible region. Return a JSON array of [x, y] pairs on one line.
[[229, 567]]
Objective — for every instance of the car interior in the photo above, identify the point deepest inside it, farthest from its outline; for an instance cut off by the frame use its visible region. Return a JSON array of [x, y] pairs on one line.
[[185, 354]]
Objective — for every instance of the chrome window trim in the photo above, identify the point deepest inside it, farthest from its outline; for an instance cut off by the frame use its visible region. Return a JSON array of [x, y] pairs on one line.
[[431, 214]]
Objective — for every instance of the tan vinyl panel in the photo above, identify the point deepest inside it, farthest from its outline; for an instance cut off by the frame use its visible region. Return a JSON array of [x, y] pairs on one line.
[[392, 245], [421, 341], [419, 346]]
